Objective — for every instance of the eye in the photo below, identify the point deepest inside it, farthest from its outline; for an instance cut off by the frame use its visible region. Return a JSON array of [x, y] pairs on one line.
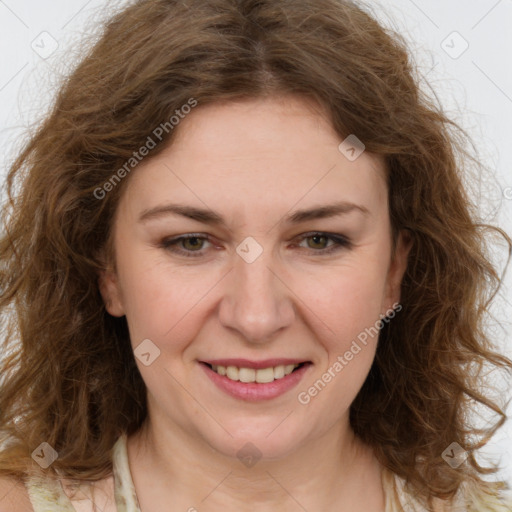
[[320, 239], [191, 243]]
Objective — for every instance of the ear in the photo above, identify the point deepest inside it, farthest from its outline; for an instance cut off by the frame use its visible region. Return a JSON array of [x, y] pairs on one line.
[[108, 283], [397, 270]]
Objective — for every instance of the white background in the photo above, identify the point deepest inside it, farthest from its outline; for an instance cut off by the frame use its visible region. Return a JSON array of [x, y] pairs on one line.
[[474, 86]]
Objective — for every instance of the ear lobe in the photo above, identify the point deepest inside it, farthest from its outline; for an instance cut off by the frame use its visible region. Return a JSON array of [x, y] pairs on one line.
[[109, 288], [398, 267]]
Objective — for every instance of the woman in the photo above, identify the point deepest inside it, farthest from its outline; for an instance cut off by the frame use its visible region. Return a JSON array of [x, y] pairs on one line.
[[245, 275]]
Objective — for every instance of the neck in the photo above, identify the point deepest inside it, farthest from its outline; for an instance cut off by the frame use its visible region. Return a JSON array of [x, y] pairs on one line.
[[171, 466]]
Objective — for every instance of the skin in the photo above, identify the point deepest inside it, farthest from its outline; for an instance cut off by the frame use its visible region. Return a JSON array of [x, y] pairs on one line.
[[254, 162]]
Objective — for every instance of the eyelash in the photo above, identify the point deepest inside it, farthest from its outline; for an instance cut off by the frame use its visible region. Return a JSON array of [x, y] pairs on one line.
[[340, 243]]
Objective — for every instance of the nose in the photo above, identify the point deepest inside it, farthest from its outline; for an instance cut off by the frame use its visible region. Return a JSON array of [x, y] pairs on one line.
[[257, 303]]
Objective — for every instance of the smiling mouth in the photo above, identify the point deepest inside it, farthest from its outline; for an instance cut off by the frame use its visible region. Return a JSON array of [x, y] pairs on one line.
[[252, 375]]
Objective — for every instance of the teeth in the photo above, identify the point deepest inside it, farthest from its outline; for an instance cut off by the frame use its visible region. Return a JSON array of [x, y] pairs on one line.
[[279, 372], [232, 373], [247, 375], [262, 375]]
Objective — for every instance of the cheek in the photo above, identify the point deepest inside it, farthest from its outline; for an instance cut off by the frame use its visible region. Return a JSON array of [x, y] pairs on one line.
[[162, 303], [349, 310], [347, 300]]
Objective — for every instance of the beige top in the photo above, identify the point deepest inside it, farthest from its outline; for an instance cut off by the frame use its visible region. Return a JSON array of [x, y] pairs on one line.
[[117, 493]]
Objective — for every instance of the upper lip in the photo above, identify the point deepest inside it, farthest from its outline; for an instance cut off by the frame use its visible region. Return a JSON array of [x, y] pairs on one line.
[[246, 363]]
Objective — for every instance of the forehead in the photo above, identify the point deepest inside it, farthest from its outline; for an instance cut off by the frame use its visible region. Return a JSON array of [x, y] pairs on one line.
[[265, 153]]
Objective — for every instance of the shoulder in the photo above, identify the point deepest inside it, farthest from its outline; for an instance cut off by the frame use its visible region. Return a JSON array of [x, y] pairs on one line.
[[67, 495], [14, 496], [473, 497]]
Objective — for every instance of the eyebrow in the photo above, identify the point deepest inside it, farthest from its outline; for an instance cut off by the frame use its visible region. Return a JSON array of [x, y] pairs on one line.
[[207, 216]]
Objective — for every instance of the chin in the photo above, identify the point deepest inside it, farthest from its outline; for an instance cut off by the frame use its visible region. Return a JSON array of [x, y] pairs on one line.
[[268, 440]]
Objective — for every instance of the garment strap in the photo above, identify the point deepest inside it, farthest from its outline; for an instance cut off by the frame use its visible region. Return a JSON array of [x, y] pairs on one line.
[[47, 495], [124, 490], [113, 494]]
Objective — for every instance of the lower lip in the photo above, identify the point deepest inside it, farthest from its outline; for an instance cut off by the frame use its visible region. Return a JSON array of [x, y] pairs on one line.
[[254, 391]]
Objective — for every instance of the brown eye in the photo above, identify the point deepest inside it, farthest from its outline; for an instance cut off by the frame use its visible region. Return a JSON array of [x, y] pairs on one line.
[[186, 245], [192, 242], [318, 240]]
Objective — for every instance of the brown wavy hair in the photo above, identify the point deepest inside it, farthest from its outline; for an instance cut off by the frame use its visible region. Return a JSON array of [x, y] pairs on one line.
[[68, 374]]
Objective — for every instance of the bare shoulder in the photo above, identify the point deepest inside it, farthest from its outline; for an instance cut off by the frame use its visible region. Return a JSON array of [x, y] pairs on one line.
[[14, 496]]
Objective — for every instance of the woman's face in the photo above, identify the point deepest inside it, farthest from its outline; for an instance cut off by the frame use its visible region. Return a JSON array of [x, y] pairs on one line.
[[253, 287]]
